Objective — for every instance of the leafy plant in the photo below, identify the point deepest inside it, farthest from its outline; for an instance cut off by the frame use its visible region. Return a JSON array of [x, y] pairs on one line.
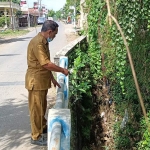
[[144, 144], [2, 21], [106, 57]]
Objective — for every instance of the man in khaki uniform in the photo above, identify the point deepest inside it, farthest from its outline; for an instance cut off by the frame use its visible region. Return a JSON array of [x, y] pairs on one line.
[[38, 79]]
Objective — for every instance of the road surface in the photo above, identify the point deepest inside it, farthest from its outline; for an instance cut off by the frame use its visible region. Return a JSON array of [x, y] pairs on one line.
[[14, 116]]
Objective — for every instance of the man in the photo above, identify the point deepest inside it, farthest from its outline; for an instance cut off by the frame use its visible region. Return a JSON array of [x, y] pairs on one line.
[[38, 79]]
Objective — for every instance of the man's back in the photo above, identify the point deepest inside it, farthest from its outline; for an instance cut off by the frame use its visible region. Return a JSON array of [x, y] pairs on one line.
[[38, 77]]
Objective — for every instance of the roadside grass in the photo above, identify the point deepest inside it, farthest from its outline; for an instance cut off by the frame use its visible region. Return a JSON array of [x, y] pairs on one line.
[[9, 33]]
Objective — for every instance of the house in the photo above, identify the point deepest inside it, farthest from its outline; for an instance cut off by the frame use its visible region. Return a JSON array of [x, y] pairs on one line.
[[9, 9], [33, 15]]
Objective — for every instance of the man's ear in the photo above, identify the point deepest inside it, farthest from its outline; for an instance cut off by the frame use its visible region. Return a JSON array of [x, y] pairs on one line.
[[49, 31]]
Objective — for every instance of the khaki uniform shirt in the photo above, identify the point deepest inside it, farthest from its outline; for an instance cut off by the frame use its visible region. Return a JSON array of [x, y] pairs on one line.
[[37, 77]]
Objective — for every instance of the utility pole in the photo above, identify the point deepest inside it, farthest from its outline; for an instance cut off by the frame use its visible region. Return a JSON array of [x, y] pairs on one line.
[[39, 2], [28, 16], [11, 14], [40, 8]]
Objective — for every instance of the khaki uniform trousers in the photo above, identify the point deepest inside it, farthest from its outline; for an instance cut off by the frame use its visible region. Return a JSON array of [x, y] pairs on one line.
[[37, 108]]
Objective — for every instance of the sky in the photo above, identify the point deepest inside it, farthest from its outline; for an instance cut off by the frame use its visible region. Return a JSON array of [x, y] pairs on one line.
[[50, 4]]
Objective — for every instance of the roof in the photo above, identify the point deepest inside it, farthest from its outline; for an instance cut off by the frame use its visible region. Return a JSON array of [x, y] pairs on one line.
[[7, 5], [32, 11]]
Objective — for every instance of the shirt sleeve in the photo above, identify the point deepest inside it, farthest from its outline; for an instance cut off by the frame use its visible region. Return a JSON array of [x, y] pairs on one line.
[[41, 55]]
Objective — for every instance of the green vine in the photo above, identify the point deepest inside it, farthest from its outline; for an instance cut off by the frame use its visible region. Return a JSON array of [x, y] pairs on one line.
[[105, 56], [133, 16]]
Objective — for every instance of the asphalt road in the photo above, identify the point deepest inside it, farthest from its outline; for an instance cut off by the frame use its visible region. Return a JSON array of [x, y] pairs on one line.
[[14, 116]]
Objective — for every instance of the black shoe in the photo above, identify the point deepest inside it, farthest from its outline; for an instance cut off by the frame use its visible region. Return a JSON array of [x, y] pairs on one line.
[[45, 130], [42, 141]]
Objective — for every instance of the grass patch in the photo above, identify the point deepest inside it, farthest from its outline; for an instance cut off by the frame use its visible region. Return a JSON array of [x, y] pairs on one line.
[[10, 33]]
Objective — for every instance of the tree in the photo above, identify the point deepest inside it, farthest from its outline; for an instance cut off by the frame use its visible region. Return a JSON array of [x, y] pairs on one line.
[[58, 14], [18, 13], [16, 1], [51, 13]]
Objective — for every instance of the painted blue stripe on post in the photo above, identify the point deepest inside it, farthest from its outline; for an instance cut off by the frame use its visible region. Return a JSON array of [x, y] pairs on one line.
[[66, 61], [64, 125]]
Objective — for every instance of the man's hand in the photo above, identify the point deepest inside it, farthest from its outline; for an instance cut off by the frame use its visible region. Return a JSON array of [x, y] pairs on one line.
[[65, 71], [55, 83]]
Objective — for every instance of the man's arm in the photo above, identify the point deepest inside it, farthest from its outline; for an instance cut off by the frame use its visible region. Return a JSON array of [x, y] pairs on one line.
[[52, 67]]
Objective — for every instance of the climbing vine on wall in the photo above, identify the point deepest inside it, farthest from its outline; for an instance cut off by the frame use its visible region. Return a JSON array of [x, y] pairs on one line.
[[94, 48], [105, 56], [105, 39]]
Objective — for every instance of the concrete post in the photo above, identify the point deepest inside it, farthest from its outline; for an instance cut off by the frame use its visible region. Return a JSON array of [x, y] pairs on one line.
[[55, 136], [59, 128]]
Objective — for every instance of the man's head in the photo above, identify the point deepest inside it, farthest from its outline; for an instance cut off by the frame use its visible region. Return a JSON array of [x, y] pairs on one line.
[[49, 29]]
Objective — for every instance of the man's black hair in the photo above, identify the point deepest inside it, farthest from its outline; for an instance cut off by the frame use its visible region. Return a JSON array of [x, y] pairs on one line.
[[49, 25]]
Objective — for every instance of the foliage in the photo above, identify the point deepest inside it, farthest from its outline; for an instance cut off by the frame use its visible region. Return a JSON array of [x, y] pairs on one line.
[[106, 57], [66, 11], [75, 3], [16, 1], [18, 13], [80, 76], [106, 44], [80, 93], [58, 14], [94, 47], [51, 13], [2, 21], [144, 144]]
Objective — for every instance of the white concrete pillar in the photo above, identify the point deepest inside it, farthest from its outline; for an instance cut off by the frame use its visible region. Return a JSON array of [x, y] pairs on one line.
[[55, 136], [59, 128]]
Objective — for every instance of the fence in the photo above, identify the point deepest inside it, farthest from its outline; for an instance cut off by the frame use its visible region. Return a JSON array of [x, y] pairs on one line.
[[59, 118]]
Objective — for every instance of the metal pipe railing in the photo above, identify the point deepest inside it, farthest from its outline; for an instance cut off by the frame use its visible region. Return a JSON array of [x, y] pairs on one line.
[[58, 123]]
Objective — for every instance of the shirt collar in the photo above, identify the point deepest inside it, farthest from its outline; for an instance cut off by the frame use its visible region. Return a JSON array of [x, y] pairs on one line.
[[42, 38]]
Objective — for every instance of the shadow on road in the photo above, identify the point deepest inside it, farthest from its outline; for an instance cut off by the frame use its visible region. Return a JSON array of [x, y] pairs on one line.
[[11, 40], [15, 126], [8, 127], [9, 54]]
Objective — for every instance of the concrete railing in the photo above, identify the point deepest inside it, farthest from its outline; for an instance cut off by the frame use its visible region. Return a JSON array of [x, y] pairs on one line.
[[68, 48], [59, 118]]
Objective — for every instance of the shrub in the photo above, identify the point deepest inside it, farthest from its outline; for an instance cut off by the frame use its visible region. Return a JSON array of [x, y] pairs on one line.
[[2, 21]]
